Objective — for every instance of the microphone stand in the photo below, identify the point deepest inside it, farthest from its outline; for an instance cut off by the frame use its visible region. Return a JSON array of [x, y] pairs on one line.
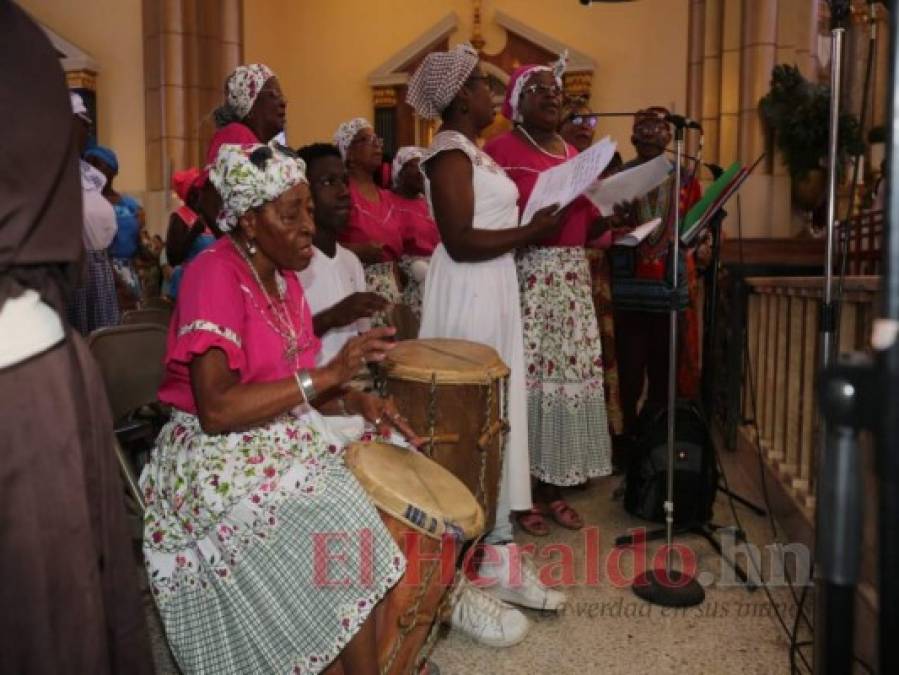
[[670, 587]]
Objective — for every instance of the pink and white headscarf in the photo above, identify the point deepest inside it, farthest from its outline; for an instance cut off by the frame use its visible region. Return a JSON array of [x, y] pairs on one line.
[[439, 78], [244, 85], [519, 79], [346, 133], [405, 154]]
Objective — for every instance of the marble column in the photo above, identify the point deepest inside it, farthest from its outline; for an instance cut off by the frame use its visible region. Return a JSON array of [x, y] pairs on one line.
[[711, 76]]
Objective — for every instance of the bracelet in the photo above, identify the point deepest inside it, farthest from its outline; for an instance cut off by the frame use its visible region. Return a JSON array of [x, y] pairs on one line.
[[307, 388]]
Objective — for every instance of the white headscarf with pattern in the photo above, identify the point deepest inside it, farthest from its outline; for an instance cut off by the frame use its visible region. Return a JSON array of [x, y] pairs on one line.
[[244, 85], [405, 154], [347, 131], [439, 78], [248, 176]]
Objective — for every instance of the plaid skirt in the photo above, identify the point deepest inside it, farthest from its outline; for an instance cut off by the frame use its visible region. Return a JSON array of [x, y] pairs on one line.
[[94, 304], [568, 430]]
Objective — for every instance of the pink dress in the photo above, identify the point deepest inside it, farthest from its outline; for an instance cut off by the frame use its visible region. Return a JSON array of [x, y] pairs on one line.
[[235, 521], [568, 430], [377, 223], [220, 305], [236, 133], [418, 229]]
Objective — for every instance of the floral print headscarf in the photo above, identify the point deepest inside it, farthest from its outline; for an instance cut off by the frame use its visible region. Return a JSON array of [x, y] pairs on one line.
[[244, 85], [347, 131], [248, 176]]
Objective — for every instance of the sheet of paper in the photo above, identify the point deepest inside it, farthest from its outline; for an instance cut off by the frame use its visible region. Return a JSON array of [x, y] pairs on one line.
[[638, 234], [628, 184], [565, 182]]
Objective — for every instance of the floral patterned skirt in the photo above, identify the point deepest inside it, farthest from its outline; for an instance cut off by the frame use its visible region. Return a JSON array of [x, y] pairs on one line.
[[568, 430], [263, 552], [413, 292], [381, 278]]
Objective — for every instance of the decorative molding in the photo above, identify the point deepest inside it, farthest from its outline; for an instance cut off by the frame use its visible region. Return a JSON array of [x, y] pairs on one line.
[[384, 97], [477, 39], [81, 79], [577, 61], [70, 56], [389, 74], [578, 85]]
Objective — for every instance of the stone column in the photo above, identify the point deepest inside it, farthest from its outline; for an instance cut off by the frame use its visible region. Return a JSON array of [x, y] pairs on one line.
[[759, 49], [731, 51], [711, 77], [695, 58]]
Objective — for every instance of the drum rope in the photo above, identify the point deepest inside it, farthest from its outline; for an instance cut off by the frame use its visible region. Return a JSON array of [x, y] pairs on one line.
[[447, 603], [432, 413], [409, 618], [482, 495]]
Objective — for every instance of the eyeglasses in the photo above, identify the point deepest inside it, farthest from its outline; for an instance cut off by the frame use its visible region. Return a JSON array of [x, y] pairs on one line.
[[588, 121], [373, 139], [543, 89]]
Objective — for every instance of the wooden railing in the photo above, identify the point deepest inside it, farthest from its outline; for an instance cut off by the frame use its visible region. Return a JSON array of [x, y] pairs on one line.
[[779, 396], [865, 234]]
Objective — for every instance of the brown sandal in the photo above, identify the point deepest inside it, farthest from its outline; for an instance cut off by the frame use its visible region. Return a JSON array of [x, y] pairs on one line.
[[565, 516], [532, 522]]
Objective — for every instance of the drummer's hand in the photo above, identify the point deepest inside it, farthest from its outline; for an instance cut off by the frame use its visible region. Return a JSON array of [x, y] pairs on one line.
[[369, 347], [382, 413], [358, 306]]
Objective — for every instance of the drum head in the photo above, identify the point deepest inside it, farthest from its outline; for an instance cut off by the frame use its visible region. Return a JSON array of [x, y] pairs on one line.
[[415, 489], [448, 361]]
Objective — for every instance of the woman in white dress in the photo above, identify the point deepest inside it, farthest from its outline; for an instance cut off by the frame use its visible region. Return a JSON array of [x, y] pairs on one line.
[[471, 291]]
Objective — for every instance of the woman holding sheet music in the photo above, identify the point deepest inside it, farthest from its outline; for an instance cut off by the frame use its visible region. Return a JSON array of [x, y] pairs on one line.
[[568, 428]]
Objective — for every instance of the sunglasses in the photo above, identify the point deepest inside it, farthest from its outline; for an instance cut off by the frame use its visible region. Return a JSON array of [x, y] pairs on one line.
[[586, 120], [260, 156]]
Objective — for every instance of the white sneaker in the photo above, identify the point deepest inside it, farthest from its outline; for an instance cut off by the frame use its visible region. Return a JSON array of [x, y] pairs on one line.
[[486, 619], [530, 592]]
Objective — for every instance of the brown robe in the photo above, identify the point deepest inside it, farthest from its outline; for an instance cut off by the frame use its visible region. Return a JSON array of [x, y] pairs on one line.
[[69, 595]]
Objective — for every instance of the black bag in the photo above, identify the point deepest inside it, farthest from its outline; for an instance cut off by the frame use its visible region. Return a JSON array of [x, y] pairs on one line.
[[695, 469]]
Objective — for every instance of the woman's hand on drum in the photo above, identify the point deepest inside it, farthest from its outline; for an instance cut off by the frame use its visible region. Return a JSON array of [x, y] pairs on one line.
[[369, 347], [382, 413]]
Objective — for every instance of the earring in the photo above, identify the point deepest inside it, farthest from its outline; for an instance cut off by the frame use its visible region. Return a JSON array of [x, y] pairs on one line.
[[251, 248]]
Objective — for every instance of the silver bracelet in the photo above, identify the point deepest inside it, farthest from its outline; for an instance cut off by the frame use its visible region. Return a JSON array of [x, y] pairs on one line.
[[307, 388]]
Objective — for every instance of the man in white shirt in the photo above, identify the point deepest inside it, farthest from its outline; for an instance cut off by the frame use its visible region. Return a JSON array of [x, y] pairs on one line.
[[334, 282]]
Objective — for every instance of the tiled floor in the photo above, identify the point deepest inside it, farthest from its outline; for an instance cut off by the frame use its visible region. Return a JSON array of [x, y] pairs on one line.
[[606, 629]]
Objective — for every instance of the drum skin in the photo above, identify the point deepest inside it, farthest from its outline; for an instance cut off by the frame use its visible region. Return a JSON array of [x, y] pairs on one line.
[[458, 385]]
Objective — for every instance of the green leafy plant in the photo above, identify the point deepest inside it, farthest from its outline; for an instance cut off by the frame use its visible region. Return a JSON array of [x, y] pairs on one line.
[[797, 115]]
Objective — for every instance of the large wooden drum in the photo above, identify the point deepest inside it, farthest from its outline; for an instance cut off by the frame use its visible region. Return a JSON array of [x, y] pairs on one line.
[[454, 394], [423, 506]]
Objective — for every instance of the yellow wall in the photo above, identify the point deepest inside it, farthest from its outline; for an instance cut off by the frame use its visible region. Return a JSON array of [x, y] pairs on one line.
[[323, 50], [110, 31]]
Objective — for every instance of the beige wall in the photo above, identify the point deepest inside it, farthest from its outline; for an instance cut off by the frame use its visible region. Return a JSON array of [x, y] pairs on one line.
[[110, 31], [323, 51]]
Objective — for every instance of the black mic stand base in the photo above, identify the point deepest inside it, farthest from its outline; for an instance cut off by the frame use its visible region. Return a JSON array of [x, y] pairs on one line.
[[668, 588]]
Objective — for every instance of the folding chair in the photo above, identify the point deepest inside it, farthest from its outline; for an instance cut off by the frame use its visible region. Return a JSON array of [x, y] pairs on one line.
[[130, 359], [158, 315]]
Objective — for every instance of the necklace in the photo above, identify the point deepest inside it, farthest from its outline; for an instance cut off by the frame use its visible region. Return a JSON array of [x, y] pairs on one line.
[[539, 147], [283, 324]]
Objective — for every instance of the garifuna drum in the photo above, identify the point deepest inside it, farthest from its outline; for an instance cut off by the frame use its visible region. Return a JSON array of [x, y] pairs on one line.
[[454, 394], [430, 513]]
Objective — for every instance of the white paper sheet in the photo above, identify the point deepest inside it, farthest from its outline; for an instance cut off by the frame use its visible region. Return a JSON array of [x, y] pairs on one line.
[[638, 234], [629, 184], [565, 182]]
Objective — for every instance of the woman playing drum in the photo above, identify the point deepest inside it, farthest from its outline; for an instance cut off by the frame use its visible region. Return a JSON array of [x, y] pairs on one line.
[[247, 481]]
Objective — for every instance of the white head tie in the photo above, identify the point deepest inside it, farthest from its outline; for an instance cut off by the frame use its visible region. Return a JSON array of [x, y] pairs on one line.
[[405, 154], [439, 78], [244, 85], [346, 133], [248, 176]]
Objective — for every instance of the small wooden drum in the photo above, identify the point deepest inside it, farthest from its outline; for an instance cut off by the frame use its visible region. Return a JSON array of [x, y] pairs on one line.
[[413, 494], [454, 394]]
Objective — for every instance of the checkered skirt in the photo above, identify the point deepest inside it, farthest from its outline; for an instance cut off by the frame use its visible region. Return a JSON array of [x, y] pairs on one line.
[[94, 304]]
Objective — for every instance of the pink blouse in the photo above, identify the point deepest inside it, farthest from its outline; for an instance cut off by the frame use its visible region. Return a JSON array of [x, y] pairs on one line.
[[220, 305], [523, 163], [418, 229], [236, 133], [374, 222]]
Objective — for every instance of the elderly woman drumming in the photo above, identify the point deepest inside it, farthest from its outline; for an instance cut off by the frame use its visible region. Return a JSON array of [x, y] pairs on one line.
[[248, 476]]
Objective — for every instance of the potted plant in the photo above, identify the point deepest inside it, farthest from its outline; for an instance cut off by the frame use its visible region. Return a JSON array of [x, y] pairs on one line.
[[796, 113]]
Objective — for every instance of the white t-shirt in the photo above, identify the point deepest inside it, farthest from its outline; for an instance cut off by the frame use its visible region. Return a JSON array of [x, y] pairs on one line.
[[99, 216], [326, 282]]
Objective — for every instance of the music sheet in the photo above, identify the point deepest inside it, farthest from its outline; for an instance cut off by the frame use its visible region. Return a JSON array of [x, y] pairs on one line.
[[564, 183], [629, 184]]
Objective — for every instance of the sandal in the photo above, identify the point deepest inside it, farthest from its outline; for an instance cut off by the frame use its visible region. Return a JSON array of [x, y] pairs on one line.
[[565, 516], [532, 522]]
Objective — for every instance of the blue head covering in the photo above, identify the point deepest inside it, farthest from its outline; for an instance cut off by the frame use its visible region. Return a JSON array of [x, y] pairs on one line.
[[104, 154]]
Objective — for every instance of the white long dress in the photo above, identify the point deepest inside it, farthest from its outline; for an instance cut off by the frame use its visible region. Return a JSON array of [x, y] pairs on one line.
[[479, 301]]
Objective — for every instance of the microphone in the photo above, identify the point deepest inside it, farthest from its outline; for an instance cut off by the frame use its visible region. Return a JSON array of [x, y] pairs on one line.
[[681, 121]]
